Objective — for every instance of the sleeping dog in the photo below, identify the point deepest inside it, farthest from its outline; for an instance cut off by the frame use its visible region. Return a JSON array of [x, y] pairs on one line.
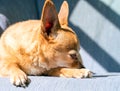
[[47, 46]]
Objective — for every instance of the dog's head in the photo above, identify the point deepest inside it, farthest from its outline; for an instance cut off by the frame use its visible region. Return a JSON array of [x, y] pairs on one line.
[[62, 45]]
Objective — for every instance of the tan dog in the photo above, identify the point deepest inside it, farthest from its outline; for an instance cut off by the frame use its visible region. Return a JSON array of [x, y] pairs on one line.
[[47, 46]]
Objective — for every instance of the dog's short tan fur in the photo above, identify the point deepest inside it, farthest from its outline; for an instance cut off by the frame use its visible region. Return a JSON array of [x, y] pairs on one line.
[[47, 46]]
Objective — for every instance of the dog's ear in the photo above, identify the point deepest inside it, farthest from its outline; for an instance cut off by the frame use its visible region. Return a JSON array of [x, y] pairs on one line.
[[49, 18], [63, 13]]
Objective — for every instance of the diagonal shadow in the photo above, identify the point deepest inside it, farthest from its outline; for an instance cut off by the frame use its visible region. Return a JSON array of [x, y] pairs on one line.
[[102, 57], [106, 12]]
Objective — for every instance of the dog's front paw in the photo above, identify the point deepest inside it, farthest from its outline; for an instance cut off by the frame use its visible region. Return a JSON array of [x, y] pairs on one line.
[[76, 73], [84, 73], [19, 79]]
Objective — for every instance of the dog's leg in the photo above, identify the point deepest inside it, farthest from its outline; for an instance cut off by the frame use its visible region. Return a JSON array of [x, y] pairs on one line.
[[70, 73], [17, 76]]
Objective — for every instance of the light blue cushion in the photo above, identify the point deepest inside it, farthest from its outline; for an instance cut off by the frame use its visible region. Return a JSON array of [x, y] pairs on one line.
[[104, 83]]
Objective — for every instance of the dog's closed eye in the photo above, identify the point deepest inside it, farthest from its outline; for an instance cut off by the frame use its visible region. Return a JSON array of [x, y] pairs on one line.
[[73, 54]]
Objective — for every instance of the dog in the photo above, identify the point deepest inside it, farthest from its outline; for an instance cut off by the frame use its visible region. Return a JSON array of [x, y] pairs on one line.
[[41, 47]]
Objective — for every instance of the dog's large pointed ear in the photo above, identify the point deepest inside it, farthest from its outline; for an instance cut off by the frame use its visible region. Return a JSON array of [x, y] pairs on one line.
[[49, 18], [63, 13]]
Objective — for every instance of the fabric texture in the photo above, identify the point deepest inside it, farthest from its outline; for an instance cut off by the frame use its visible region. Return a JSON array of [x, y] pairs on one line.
[[104, 83]]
